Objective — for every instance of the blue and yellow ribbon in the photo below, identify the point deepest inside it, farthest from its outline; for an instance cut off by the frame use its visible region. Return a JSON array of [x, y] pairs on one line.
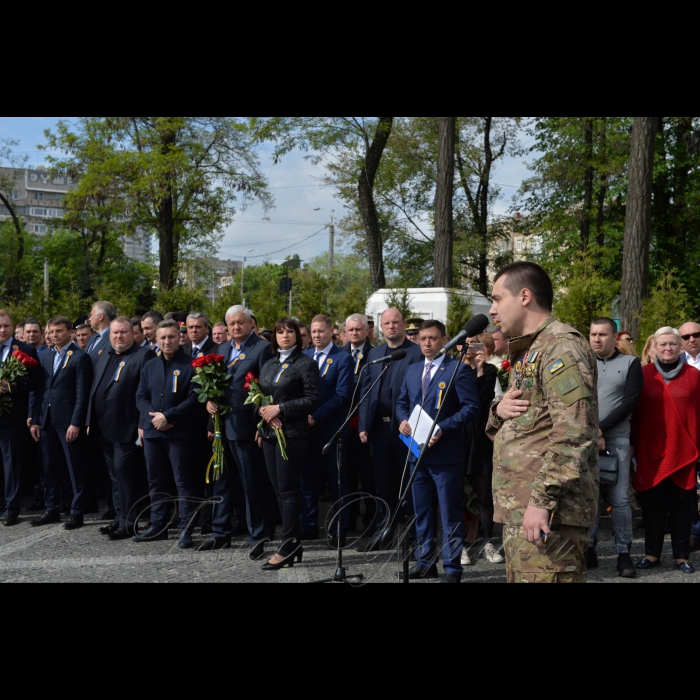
[[238, 359], [440, 395], [359, 360], [176, 374], [328, 366], [118, 375], [281, 372], [68, 356]]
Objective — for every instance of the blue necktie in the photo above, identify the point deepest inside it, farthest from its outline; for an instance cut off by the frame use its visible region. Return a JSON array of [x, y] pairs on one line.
[[426, 379]]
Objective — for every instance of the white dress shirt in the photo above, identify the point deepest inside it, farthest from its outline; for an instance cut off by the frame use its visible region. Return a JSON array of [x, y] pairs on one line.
[[198, 348], [322, 355], [692, 362], [437, 363]]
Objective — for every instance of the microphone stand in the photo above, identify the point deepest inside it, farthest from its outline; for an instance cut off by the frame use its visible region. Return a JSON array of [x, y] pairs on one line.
[[388, 535], [341, 575]]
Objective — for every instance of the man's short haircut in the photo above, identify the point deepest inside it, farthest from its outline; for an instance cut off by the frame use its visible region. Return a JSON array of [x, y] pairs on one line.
[[6, 314], [124, 319], [220, 324], [20, 325], [105, 308], [357, 318], [33, 322], [403, 318], [529, 275], [427, 325], [164, 325], [155, 316], [322, 319], [196, 315], [237, 311], [605, 321], [305, 325], [61, 321]]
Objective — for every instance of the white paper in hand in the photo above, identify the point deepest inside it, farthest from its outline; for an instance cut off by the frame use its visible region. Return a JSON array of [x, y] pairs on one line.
[[420, 423]]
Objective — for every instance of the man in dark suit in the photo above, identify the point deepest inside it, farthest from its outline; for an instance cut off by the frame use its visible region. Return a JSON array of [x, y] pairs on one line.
[[336, 369], [59, 417], [12, 424], [170, 411], [100, 318], [360, 473], [379, 425], [442, 470], [149, 325], [113, 421], [246, 353]]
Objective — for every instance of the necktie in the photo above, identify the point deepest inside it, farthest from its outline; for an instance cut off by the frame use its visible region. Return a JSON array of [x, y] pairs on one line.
[[355, 353], [426, 379], [319, 358], [195, 352]]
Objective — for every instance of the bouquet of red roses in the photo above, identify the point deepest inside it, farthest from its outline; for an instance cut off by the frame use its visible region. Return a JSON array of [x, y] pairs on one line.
[[213, 379], [257, 398], [16, 368], [504, 375]]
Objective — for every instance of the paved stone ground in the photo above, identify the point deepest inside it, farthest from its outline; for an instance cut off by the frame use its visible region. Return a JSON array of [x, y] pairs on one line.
[[52, 555]]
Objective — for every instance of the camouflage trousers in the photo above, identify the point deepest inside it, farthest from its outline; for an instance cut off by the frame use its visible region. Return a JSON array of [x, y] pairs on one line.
[[560, 561]]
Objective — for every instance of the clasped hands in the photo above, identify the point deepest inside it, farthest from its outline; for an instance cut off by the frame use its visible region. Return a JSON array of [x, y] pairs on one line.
[[160, 422]]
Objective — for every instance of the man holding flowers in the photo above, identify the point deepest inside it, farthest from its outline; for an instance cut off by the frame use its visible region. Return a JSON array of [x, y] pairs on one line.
[[19, 374]]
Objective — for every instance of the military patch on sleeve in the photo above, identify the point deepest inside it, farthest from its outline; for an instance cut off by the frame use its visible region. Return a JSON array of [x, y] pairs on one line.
[[556, 367], [570, 387], [567, 385]]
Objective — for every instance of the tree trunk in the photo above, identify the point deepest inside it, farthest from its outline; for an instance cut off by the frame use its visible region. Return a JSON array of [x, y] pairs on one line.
[[166, 234], [444, 195], [483, 220], [588, 184], [14, 283], [368, 209], [635, 261], [603, 191]]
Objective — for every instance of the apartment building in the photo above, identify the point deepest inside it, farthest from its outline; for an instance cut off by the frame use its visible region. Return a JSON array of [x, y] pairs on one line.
[[37, 197]]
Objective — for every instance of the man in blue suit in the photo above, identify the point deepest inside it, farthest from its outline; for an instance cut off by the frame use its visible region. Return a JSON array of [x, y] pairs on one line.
[[336, 369], [12, 424], [379, 424], [60, 410], [442, 469], [246, 353], [170, 414]]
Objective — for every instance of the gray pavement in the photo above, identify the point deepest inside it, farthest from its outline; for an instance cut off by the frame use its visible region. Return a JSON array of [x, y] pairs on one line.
[[52, 555]]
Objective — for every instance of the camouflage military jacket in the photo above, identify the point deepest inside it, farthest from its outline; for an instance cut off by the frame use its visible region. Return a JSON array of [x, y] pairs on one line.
[[548, 458]]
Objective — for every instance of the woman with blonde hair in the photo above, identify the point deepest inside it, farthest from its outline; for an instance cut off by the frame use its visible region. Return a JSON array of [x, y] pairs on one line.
[[649, 352]]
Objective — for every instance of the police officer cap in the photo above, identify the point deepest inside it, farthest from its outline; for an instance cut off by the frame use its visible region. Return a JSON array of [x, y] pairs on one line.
[[181, 320], [413, 325]]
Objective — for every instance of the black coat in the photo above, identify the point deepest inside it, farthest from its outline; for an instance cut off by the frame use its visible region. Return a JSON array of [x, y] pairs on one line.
[[209, 348], [21, 393], [121, 414], [158, 392], [67, 392], [479, 447], [298, 389], [101, 347]]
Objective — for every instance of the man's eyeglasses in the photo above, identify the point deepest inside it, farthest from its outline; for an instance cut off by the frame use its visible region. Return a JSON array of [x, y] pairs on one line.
[[686, 338]]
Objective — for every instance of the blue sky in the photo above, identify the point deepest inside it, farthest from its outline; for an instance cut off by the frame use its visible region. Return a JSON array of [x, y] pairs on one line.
[[295, 184]]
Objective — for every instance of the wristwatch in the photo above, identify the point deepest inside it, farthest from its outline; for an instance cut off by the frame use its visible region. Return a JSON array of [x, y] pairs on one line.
[[281, 408]]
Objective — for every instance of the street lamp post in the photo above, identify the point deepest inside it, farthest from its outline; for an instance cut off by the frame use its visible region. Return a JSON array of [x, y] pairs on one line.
[[243, 276], [331, 242]]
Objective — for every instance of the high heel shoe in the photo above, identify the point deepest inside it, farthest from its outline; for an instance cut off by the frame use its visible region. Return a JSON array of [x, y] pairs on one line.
[[288, 563]]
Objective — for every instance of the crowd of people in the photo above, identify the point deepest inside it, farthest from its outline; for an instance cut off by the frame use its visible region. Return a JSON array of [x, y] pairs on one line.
[[111, 411]]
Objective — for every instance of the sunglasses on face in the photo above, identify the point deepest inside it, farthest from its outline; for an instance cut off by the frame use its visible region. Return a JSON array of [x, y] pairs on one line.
[[686, 338]]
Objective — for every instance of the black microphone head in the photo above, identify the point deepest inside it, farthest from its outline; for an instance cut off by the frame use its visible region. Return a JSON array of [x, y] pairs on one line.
[[477, 325], [398, 355]]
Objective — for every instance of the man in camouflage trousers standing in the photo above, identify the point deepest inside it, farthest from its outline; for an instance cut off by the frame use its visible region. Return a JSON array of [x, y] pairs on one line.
[[545, 432]]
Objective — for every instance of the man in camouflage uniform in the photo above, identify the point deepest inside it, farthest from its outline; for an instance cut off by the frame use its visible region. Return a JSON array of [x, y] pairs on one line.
[[545, 433]]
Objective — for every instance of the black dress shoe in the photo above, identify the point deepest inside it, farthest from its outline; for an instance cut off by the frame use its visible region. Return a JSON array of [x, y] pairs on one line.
[[46, 519], [185, 541], [646, 565], [450, 579], [109, 529], [287, 563], [591, 558], [416, 574], [212, 544], [257, 552], [334, 542], [309, 535], [75, 522], [625, 566], [120, 534], [151, 535], [686, 567], [10, 521]]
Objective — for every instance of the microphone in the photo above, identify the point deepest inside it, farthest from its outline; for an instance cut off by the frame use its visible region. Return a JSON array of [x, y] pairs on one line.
[[475, 326], [396, 356]]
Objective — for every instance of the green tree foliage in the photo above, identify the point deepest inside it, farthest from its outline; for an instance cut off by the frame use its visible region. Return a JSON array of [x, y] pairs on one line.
[[459, 311], [400, 299], [177, 176], [669, 304]]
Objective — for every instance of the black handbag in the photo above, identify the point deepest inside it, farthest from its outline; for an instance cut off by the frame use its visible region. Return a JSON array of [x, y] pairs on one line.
[[609, 469]]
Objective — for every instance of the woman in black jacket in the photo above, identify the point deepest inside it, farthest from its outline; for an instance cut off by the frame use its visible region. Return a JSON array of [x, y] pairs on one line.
[[293, 381]]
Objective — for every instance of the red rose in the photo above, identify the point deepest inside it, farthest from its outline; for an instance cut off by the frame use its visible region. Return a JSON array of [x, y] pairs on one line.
[[246, 386], [199, 362], [219, 358], [506, 366], [26, 360], [250, 377]]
